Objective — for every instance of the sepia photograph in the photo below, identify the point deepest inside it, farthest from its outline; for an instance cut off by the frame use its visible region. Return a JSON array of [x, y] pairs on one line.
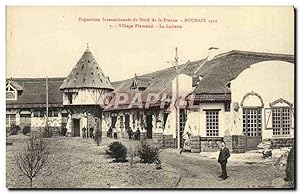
[[150, 97]]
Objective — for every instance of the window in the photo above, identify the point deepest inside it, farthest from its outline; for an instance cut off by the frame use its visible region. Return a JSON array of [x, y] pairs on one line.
[[11, 93], [281, 121], [165, 119], [121, 122], [10, 120], [182, 119], [212, 123], [70, 97], [252, 122], [53, 113], [227, 106], [39, 113], [133, 85]]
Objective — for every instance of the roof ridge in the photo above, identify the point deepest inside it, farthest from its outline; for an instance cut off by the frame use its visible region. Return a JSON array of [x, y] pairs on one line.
[[252, 53]]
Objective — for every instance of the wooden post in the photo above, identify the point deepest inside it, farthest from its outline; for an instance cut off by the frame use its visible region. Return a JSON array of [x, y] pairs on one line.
[[176, 101], [47, 105]]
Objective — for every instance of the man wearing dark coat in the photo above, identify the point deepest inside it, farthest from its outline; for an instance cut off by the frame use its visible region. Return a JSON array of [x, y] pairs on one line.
[[290, 167], [223, 156]]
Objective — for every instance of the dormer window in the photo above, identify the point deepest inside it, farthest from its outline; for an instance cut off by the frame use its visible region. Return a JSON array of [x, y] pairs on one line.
[[11, 93], [13, 90], [229, 85], [140, 83], [133, 85]]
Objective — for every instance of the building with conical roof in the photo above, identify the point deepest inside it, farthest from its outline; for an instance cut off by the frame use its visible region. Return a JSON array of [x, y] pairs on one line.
[[82, 91], [86, 74]]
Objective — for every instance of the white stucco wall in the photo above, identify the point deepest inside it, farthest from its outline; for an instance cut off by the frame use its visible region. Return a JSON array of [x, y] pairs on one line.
[[185, 85], [272, 80], [86, 97], [41, 121], [223, 126]]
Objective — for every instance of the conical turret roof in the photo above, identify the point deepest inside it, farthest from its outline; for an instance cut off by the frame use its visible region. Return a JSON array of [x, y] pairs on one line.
[[86, 74]]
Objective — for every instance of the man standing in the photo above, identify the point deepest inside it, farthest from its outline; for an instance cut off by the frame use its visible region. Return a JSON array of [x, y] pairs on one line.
[[223, 156]]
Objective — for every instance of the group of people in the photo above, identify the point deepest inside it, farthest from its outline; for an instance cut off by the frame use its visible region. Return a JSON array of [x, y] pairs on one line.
[[87, 133], [113, 133]]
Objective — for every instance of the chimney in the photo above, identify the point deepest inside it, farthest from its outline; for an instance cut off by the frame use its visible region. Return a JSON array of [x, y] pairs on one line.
[[212, 51]]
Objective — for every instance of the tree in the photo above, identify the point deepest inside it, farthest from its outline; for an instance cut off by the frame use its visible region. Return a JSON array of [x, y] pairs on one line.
[[33, 157]]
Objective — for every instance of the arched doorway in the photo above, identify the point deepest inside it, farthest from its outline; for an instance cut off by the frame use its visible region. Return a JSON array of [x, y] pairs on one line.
[[252, 105]]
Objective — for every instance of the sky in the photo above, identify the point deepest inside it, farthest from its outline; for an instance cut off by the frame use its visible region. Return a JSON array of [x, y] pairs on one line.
[[48, 41]]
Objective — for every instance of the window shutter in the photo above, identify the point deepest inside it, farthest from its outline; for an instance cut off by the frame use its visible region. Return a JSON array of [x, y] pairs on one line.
[[268, 118], [292, 118]]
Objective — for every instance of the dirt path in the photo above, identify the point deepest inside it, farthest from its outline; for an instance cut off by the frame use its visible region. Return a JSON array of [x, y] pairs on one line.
[[204, 172]]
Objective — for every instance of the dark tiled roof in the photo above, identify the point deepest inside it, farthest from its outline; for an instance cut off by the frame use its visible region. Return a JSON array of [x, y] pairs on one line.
[[86, 74], [225, 67], [161, 83], [216, 74], [34, 94], [143, 82], [16, 85], [210, 97]]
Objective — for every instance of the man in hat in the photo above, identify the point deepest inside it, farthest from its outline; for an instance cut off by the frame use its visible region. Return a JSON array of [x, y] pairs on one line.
[[223, 156]]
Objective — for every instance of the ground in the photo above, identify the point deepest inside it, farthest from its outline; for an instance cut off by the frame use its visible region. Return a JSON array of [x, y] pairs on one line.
[[80, 163]]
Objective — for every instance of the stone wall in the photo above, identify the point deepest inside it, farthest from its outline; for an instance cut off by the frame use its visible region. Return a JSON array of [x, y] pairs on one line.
[[228, 141], [195, 144], [210, 144], [238, 144], [235, 143], [168, 141], [282, 142], [157, 138]]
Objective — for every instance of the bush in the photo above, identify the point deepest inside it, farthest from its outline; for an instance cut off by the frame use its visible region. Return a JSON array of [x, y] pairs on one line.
[[148, 154], [26, 130], [47, 132], [14, 129], [117, 151], [98, 137]]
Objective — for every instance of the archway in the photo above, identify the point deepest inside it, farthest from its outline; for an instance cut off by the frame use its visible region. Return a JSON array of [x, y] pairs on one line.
[[252, 104]]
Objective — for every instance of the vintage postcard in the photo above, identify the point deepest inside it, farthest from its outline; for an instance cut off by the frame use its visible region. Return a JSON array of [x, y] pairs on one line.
[[149, 97]]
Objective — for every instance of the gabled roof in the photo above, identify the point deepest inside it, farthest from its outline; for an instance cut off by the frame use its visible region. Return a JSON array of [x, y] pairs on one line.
[[215, 73], [15, 85], [86, 74], [225, 67], [34, 94], [142, 81], [160, 82]]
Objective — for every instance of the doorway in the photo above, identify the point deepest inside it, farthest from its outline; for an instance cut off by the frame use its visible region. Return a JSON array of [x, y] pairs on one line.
[[252, 127], [182, 121], [76, 127], [149, 126], [127, 121], [113, 121]]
